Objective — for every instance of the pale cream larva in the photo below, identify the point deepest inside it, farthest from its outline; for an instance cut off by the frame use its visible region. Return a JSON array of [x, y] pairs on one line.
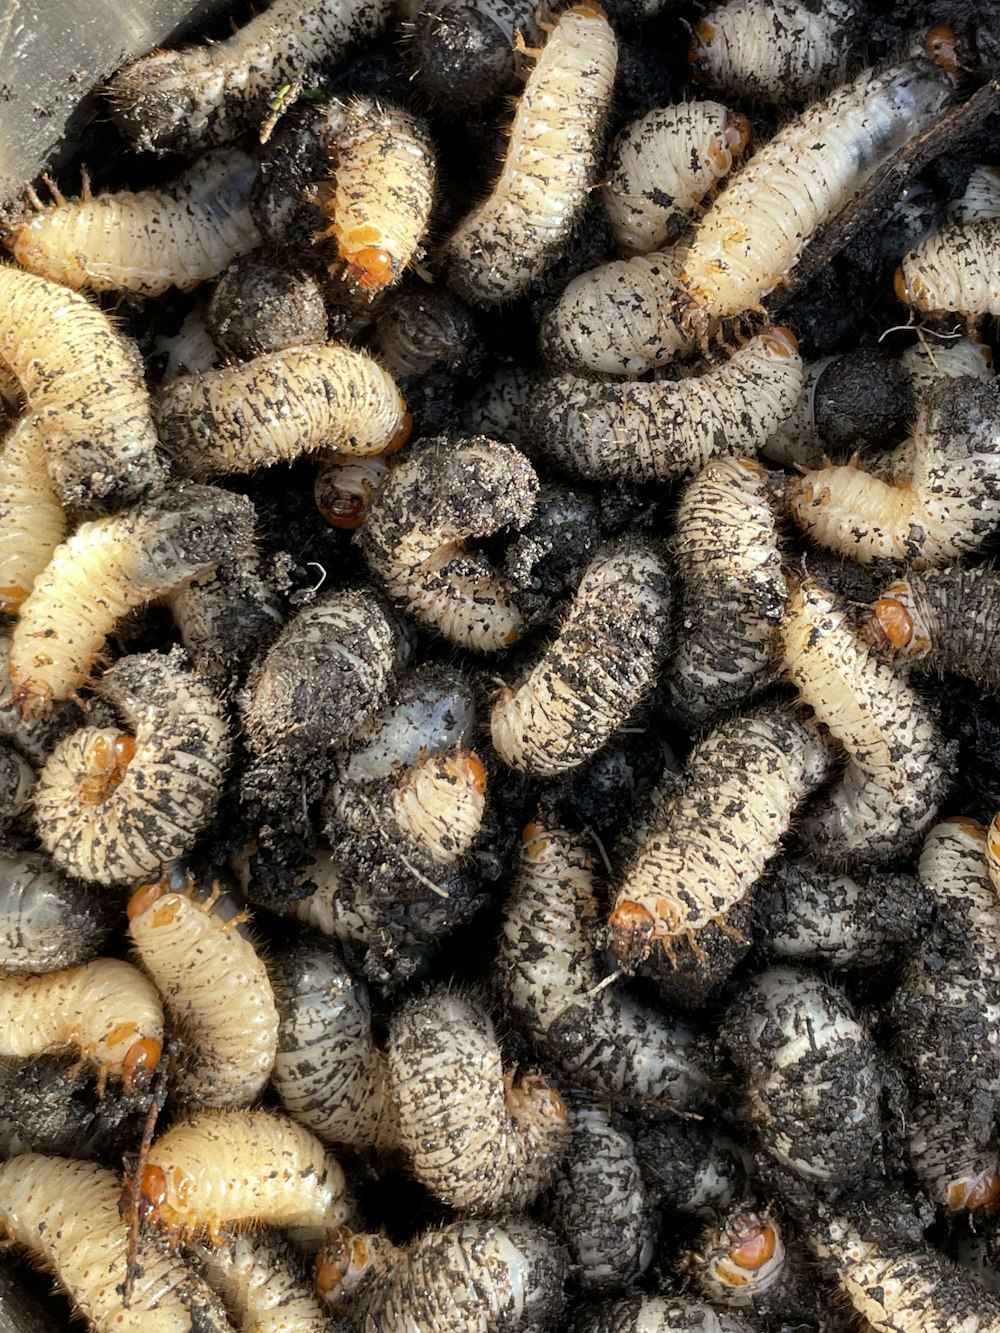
[[550, 165], [929, 361], [637, 431], [262, 1282], [147, 241], [32, 520], [954, 271], [659, 1314], [981, 198]]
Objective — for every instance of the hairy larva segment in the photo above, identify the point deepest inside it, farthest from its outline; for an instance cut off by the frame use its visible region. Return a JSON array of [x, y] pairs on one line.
[[66, 1215], [636, 431], [945, 620], [897, 760], [111, 807], [442, 494], [550, 164], [148, 241], [277, 407], [597, 671], [108, 568], [478, 1138], [83, 389], [32, 520], [754, 233], [662, 165], [659, 1314], [201, 95], [262, 1285], [47, 922], [954, 271], [690, 1168], [711, 842]]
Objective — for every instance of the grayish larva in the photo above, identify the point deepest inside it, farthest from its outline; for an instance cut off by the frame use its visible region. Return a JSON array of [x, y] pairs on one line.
[[32, 519], [596, 672], [47, 922], [209, 94], [636, 431], [659, 1314], [260, 306], [111, 806], [497, 408], [733, 589], [17, 784], [740, 1257], [897, 769], [443, 493], [927, 362], [261, 1282], [981, 198], [954, 271], [423, 328], [550, 165], [689, 1167], [661, 166]]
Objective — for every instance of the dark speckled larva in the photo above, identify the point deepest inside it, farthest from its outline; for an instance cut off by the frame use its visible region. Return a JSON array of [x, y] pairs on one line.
[[604, 660], [32, 519], [46, 921], [262, 1283], [260, 306], [689, 1167], [659, 1314], [463, 51], [954, 271]]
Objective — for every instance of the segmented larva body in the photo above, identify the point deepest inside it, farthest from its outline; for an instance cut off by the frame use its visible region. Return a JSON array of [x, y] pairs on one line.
[[190, 350], [754, 233], [773, 50], [954, 271], [111, 806], [616, 318], [185, 100], [380, 202], [344, 490], [438, 804], [636, 431], [597, 671], [550, 165], [497, 408], [659, 1314], [229, 1168], [216, 988], [690, 1168], [83, 389], [262, 1286], [66, 1214], [147, 241], [442, 494], [981, 198], [733, 589], [739, 1258], [32, 520], [897, 760], [927, 363], [47, 922], [277, 407], [710, 843], [17, 783], [662, 165], [106, 1008], [108, 568], [603, 1038], [475, 1136], [261, 305]]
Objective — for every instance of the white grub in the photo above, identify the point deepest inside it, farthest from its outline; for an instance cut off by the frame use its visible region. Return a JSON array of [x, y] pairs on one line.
[[66, 1215], [709, 843], [659, 1314], [278, 407], [189, 351], [599, 1035], [754, 233], [345, 488], [733, 589], [942, 500], [113, 806], [689, 1167], [662, 165], [215, 987], [108, 568], [263, 1286], [954, 271], [599, 668], [637, 431], [477, 1137], [740, 1258], [550, 165], [497, 408], [146, 241], [981, 198], [930, 360], [83, 388], [47, 922], [17, 785], [773, 50], [211, 94], [811, 1077], [795, 441], [106, 1009], [414, 539], [897, 761], [32, 519]]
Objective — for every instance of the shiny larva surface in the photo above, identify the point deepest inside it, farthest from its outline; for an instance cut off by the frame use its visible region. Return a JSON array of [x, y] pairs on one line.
[[954, 271], [32, 519], [47, 922], [263, 1285]]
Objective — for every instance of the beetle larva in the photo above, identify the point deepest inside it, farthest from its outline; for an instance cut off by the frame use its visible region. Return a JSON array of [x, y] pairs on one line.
[[636, 431], [710, 843], [110, 806], [82, 388], [65, 1213], [603, 662], [279, 406], [185, 100], [954, 271], [497, 408], [981, 198], [260, 306], [928, 363], [772, 50], [263, 1286], [47, 922], [147, 241], [661, 166], [189, 351], [228, 1168], [427, 328], [598, 1203], [463, 51], [732, 586], [344, 489], [215, 987], [753, 235], [551, 161], [17, 784], [107, 1008], [897, 769], [603, 1038], [659, 1314], [476, 1137], [740, 1258], [32, 521], [108, 568], [689, 1168], [414, 539]]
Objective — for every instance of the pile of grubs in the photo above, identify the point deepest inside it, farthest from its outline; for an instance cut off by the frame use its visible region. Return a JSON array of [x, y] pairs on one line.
[[499, 753]]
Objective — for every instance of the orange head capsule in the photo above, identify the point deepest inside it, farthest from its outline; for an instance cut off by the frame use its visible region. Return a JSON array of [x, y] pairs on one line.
[[941, 45], [153, 1191], [967, 824], [534, 840], [782, 341], [344, 511], [370, 270], [147, 894], [979, 1196], [471, 770], [140, 1063], [401, 436], [631, 932], [894, 622], [755, 1248], [11, 598], [738, 133], [913, 291], [699, 52], [589, 9]]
